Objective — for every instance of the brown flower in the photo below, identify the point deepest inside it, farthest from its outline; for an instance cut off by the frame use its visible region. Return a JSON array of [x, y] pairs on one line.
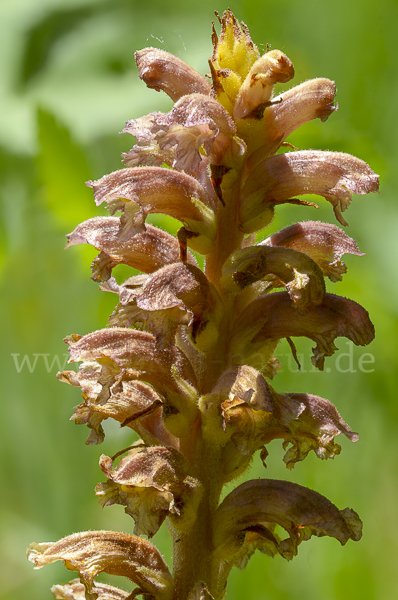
[[187, 355]]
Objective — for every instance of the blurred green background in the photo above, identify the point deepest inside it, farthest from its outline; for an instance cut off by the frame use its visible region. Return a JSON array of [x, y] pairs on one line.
[[68, 84]]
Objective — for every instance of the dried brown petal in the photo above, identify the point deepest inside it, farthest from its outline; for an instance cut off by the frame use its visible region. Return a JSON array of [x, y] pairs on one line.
[[163, 71], [75, 590], [301, 275], [197, 126], [123, 355], [258, 415], [131, 349], [230, 413], [274, 317], [146, 251], [309, 423], [138, 192], [151, 483], [323, 242], [178, 294], [94, 552], [300, 511], [110, 394], [248, 385], [334, 175]]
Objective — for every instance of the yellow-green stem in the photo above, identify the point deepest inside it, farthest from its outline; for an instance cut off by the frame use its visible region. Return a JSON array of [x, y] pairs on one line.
[[193, 552]]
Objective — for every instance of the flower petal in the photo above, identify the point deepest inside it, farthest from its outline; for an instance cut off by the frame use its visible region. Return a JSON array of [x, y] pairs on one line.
[[151, 483], [196, 126], [177, 294], [256, 90], [93, 552], [300, 511], [254, 414], [312, 424], [301, 275], [116, 357], [132, 349], [115, 395], [334, 175], [323, 242], [163, 71], [310, 100], [146, 251], [75, 590], [138, 192], [248, 385], [273, 317]]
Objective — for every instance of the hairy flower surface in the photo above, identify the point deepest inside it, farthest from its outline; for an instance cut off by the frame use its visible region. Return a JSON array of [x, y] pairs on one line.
[[188, 354]]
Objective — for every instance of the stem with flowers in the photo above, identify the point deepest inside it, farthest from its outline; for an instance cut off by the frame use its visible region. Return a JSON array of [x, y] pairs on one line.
[[188, 355]]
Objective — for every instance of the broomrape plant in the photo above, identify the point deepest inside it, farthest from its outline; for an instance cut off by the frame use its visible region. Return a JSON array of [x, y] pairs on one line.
[[188, 354]]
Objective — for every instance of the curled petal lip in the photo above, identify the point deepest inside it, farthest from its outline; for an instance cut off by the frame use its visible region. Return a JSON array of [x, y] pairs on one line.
[[162, 188], [310, 100], [290, 505], [300, 274], [323, 242], [146, 251], [150, 482], [273, 317], [334, 175], [129, 348], [195, 124], [140, 191], [271, 68], [93, 552], [163, 71]]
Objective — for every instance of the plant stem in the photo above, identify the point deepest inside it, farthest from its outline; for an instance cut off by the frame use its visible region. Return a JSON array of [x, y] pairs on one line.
[[193, 552]]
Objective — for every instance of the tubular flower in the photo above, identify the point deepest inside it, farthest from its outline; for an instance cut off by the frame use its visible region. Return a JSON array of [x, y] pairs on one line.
[[186, 359]]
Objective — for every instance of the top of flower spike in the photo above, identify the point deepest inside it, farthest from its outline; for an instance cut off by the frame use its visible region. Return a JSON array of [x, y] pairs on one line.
[[233, 56], [238, 71], [234, 49]]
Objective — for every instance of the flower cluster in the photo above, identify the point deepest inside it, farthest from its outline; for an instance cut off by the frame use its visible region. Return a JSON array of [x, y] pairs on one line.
[[188, 355]]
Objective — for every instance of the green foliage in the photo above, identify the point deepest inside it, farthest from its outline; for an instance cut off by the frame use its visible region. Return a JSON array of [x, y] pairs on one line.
[[75, 60], [62, 169]]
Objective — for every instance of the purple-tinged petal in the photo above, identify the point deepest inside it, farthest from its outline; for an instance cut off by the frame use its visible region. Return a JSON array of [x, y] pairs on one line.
[[334, 175], [299, 510], [196, 126], [301, 275], [94, 552], [310, 423], [131, 349], [323, 242], [163, 71], [138, 192], [151, 483], [273, 317], [146, 251], [313, 99]]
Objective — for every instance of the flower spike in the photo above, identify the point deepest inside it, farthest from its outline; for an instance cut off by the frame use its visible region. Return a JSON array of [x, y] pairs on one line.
[[186, 359]]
